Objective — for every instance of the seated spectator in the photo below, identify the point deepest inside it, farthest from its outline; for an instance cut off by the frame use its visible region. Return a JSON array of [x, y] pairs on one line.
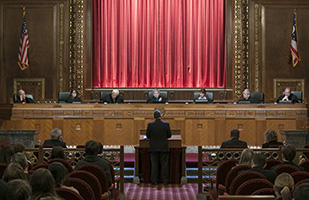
[[73, 97], [21, 189], [19, 148], [59, 172], [42, 183], [258, 164], [283, 186], [92, 150], [203, 96], [301, 192], [5, 192], [288, 154], [21, 98], [57, 152], [271, 138], [156, 97], [247, 97], [100, 149], [6, 153], [12, 172], [56, 138], [234, 141], [245, 157], [114, 97], [288, 96], [20, 159], [30, 157]]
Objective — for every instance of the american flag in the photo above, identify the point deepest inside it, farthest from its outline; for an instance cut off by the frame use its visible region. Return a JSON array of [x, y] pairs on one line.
[[23, 46], [294, 43]]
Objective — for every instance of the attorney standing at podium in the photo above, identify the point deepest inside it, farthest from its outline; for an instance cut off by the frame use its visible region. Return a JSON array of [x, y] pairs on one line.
[[158, 132]]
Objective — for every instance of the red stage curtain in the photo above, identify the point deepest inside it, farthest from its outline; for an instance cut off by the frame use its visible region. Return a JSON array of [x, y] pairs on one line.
[[159, 43]]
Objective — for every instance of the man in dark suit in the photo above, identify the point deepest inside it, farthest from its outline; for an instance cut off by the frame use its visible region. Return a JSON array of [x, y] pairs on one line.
[[234, 141], [158, 132], [21, 98], [56, 138], [258, 163], [247, 97], [114, 97], [288, 96], [288, 154]]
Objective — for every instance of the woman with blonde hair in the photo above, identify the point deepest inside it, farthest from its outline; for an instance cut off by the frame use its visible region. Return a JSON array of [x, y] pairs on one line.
[[283, 186], [245, 157], [271, 138]]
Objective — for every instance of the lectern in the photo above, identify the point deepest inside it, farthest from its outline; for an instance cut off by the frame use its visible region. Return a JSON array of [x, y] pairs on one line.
[[176, 162]]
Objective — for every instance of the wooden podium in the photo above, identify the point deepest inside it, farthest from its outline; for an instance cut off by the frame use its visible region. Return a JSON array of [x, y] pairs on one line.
[[176, 162]]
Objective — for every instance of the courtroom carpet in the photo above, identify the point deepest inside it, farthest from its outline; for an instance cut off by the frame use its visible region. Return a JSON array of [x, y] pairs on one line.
[[160, 192]]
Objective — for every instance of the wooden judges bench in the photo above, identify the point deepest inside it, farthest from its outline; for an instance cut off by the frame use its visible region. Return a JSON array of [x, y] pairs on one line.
[[120, 124]]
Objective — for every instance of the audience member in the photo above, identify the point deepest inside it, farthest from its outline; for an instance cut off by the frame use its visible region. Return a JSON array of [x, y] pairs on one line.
[[19, 148], [57, 152], [288, 96], [13, 171], [271, 138], [42, 183], [21, 189], [234, 141], [5, 192], [21, 98], [59, 172], [247, 97], [56, 138], [100, 149], [30, 157], [288, 154], [73, 97], [283, 186], [245, 157], [20, 159], [258, 164], [6, 153], [92, 150], [301, 192], [156, 97], [114, 97]]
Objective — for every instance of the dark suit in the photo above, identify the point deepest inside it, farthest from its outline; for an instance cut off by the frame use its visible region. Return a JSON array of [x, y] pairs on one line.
[[270, 175], [26, 100], [293, 98], [251, 99], [156, 100], [109, 99], [234, 142], [55, 142], [158, 132], [289, 163], [71, 100], [267, 144]]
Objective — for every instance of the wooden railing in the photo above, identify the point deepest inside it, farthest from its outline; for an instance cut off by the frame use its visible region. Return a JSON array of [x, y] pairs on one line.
[[209, 159], [114, 155]]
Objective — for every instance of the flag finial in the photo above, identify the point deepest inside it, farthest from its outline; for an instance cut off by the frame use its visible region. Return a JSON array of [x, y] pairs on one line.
[[24, 11]]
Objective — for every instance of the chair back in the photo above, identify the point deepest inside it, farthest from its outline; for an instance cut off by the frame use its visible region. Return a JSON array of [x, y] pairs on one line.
[[232, 175], [64, 162], [247, 197], [259, 96], [251, 186], [62, 96], [243, 177], [163, 94], [89, 178], [104, 94], [271, 163], [223, 169], [265, 191], [285, 169], [41, 165], [236, 147], [298, 94], [97, 172], [299, 176], [210, 95], [83, 188], [2, 169], [68, 194], [305, 165]]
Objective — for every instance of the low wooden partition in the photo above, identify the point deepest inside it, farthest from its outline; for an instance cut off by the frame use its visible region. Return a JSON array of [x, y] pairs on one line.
[[177, 160], [120, 124]]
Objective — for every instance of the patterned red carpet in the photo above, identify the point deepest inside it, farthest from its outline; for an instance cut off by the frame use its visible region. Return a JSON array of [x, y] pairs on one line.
[[160, 192]]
